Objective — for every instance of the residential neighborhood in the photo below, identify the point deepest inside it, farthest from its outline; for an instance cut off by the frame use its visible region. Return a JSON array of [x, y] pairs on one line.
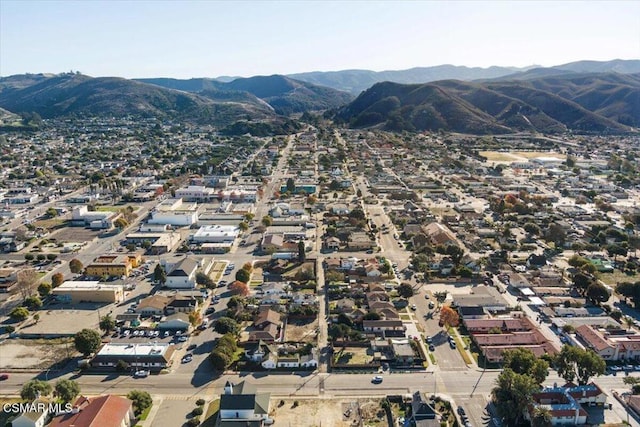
[[325, 255]]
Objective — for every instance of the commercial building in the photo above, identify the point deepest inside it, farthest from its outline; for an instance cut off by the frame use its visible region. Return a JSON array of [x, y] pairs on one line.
[[113, 265], [151, 356], [174, 212], [92, 291], [216, 234], [82, 216]]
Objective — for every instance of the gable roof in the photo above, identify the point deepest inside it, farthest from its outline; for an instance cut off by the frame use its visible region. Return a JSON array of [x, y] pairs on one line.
[[101, 411], [184, 268]]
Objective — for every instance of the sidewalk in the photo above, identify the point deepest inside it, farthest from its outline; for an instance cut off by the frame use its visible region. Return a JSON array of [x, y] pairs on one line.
[[157, 401]]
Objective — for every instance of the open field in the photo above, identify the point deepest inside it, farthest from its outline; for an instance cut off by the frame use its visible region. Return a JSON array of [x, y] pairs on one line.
[[517, 156], [75, 234], [34, 354], [301, 331], [352, 355], [49, 224]]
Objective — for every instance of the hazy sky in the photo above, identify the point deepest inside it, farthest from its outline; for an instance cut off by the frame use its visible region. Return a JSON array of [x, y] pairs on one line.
[[213, 38]]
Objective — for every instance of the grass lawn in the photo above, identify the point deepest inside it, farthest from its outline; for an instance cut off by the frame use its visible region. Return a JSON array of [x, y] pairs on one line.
[[145, 413], [432, 358], [209, 419], [612, 279]]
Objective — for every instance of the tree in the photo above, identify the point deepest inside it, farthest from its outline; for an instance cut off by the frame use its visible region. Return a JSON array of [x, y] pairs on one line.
[[122, 366], [581, 281], [597, 293], [235, 302], [29, 257], [267, 221], [541, 417], [33, 302], [243, 226], [120, 223], [67, 390], [57, 280], [27, 282], [455, 252], [512, 395], [449, 317], [226, 325], [19, 313], [291, 185], [195, 318], [523, 361], [405, 290], [51, 257], [575, 363], [556, 234], [34, 388], [75, 266], [372, 315], [302, 255], [159, 275], [243, 276], [141, 400], [532, 229], [205, 280], [52, 213], [219, 360], [44, 289], [239, 288], [107, 324], [338, 330], [87, 341]]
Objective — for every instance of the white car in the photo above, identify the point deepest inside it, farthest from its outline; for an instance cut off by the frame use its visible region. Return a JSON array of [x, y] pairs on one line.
[[182, 338], [141, 374], [377, 379]]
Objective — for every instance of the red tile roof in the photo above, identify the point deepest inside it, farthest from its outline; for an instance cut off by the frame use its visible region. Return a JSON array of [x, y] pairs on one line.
[[101, 411]]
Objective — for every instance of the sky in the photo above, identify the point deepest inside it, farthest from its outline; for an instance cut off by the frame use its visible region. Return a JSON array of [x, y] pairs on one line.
[[183, 39]]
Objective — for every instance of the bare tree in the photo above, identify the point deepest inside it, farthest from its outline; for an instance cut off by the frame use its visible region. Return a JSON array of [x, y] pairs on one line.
[[27, 282]]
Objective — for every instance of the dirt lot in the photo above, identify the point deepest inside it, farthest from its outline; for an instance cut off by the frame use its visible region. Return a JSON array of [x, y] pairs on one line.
[[353, 356], [517, 156], [301, 331], [75, 234], [35, 354], [326, 413]]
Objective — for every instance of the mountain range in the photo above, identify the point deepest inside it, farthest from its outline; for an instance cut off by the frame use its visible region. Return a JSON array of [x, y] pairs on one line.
[[355, 81], [582, 96], [567, 101]]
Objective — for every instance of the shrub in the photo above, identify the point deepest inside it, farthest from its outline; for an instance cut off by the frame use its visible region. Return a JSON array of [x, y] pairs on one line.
[[200, 402], [197, 411]]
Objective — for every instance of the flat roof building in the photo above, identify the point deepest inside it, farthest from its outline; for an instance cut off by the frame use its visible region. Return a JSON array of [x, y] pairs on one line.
[[75, 292]]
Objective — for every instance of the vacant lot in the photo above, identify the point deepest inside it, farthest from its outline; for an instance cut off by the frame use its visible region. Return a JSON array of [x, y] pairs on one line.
[[517, 156], [75, 234], [301, 331], [352, 356], [326, 413], [34, 354]]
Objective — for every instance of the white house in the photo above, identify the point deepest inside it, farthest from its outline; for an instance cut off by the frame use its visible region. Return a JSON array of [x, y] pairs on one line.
[[182, 274], [35, 418], [241, 404]]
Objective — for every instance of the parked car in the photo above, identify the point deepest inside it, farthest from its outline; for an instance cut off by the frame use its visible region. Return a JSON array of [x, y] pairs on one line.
[[187, 358], [377, 379], [182, 338], [432, 347], [141, 374], [4, 377], [166, 334]]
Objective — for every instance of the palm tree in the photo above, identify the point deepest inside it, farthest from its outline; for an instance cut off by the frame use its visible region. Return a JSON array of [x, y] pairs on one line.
[[541, 417], [628, 320]]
